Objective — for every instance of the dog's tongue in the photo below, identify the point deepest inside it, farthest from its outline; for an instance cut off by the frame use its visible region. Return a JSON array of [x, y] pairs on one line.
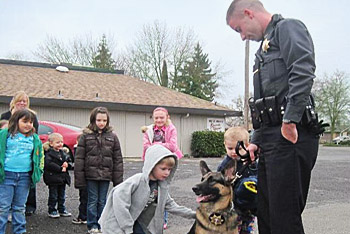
[[202, 198]]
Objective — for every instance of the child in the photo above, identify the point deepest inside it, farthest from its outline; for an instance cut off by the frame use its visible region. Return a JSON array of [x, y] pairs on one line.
[[81, 219], [21, 166], [245, 198], [162, 132], [56, 175], [137, 205], [98, 161]]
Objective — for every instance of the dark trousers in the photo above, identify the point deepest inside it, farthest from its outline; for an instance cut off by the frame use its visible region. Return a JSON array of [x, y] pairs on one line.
[[31, 200], [57, 195], [283, 180], [83, 198], [137, 229]]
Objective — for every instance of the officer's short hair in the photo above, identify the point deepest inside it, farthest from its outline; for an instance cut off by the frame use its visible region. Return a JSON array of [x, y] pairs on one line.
[[238, 6]]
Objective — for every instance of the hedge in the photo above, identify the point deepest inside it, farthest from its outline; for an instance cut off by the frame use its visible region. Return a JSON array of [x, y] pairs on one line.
[[207, 144]]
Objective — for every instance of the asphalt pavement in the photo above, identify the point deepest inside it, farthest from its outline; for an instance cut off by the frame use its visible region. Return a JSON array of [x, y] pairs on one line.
[[327, 210]]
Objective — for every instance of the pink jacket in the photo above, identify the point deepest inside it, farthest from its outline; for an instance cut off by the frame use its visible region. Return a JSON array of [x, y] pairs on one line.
[[170, 140]]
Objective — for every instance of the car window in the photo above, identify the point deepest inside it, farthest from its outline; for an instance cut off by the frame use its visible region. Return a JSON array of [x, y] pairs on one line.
[[44, 130]]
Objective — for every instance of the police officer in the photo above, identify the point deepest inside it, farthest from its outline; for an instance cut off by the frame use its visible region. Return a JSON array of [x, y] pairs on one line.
[[283, 77]]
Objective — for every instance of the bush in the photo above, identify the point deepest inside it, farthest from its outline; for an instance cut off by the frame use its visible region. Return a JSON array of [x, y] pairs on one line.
[[344, 143], [207, 144]]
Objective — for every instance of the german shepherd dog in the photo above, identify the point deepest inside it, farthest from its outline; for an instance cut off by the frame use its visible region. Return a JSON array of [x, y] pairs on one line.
[[215, 213]]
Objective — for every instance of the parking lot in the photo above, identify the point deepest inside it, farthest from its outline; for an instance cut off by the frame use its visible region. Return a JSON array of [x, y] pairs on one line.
[[327, 211]]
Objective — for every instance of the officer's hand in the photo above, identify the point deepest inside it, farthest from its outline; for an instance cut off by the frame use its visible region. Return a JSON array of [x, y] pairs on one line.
[[252, 148], [289, 132]]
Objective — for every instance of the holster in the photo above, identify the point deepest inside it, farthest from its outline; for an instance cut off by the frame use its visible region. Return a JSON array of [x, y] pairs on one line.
[[254, 114], [310, 118], [270, 111]]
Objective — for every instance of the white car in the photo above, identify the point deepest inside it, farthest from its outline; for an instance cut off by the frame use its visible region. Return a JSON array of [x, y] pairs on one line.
[[340, 139]]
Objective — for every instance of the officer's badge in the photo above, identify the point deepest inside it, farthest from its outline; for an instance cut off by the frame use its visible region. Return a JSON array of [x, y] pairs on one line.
[[265, 45]]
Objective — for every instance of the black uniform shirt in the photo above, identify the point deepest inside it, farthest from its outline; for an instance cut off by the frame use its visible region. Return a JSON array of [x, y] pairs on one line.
[[285, 66]]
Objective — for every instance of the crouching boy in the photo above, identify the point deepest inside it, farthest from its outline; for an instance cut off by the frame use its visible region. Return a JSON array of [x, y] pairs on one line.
[[137, 205]]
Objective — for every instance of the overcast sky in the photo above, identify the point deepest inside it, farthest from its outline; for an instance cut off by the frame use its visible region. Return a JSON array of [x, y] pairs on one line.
[[26, 23]]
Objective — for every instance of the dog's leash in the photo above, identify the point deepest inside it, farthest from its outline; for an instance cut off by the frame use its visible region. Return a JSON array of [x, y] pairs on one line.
[[245, 157]]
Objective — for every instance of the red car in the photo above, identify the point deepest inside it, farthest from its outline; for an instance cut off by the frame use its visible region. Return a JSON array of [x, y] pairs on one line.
[[69, 133]]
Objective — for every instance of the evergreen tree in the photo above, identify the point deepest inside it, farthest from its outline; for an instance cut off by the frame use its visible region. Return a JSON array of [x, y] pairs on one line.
[[103, 58], [164, 76], [196, 77]]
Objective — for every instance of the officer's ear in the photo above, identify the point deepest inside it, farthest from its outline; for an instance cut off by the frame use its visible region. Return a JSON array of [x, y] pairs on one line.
[[249, 13]]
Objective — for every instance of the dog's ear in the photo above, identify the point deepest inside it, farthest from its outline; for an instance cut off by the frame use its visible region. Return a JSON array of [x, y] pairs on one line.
[[204, 167], [229, 172]]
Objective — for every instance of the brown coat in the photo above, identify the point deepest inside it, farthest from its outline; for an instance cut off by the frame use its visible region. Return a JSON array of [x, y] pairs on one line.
[[98, 157]]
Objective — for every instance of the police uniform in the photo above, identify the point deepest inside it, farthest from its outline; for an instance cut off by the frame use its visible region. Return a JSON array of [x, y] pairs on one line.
[[284, 69]]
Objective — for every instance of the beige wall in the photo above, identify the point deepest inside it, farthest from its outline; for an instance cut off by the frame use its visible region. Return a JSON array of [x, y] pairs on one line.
[[126, 124]]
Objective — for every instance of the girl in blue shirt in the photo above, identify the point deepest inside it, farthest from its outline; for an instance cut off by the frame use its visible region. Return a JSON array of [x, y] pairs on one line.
[[21, 165]]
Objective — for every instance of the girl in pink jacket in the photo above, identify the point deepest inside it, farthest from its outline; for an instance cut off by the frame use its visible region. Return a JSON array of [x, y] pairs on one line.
[[162, 132]]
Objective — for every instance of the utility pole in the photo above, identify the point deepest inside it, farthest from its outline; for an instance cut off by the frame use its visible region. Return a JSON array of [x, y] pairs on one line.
[[246, 86]]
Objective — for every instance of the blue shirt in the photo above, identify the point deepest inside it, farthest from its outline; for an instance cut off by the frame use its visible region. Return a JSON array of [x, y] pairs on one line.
[[18, 154]]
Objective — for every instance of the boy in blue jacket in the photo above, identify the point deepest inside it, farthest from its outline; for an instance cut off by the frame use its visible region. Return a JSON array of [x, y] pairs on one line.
[[245, 188]]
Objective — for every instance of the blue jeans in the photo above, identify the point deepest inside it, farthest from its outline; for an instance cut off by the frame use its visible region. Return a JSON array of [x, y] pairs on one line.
[[57, 195], [166, 217], [97, 196], [13, 196]]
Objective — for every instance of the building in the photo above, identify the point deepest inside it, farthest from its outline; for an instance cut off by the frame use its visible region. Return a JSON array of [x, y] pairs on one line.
[[69, 95]]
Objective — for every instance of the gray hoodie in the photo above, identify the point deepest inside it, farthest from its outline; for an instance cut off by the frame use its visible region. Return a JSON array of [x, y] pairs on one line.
[[127, 200]]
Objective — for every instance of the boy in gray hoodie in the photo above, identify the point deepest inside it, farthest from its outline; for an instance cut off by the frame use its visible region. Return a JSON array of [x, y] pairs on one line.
[[137, 205]]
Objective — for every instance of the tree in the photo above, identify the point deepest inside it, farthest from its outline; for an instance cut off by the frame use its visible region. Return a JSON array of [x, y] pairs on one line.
[[196, 76], [332, 96], [154, 44], [103, 58], [79, 50], [237, 105], [164, 76]]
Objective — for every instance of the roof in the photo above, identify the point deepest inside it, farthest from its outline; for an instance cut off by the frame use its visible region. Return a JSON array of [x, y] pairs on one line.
[[78, 87]]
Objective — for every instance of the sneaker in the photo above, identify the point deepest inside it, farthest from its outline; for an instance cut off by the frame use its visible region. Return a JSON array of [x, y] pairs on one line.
[[165, 226], [54, 214], [65, 214], [79, 221], [94, 230]]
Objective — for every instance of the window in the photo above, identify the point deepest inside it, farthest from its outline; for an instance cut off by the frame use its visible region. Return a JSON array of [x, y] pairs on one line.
[[44, 130]]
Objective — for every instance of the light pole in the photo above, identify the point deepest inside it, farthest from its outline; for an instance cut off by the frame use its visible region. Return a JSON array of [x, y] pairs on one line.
[[246, 86]]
